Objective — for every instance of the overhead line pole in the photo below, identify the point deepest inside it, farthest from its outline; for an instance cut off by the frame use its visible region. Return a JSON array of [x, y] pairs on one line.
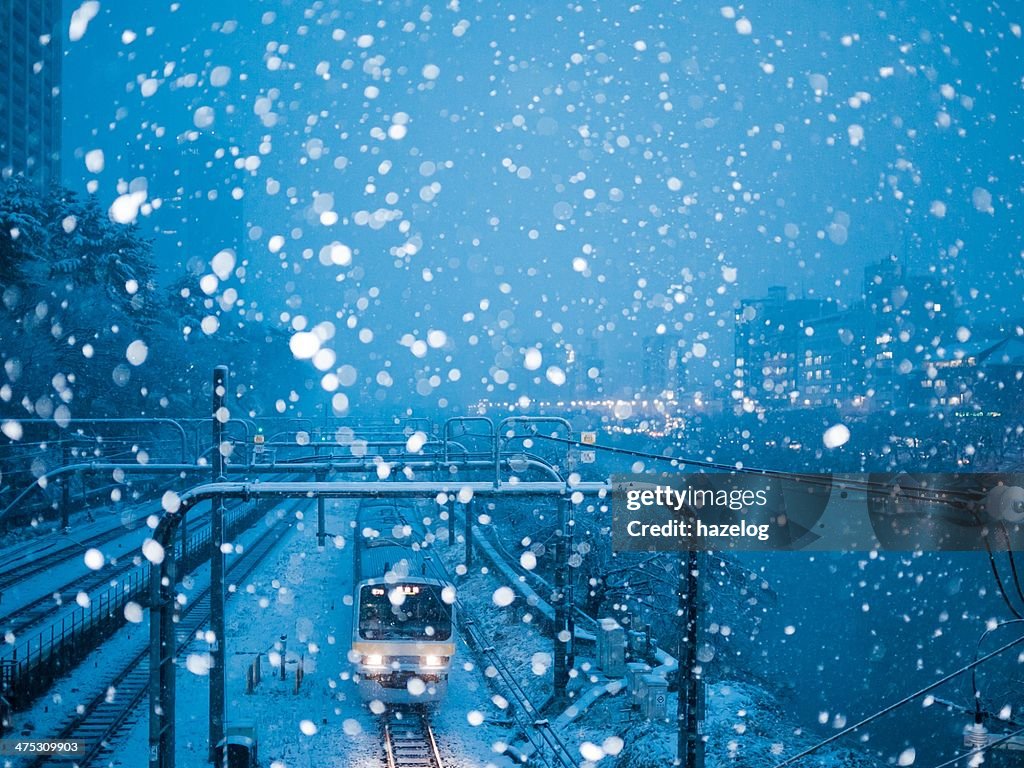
[[560, 676], [218, 680], [689, 673]]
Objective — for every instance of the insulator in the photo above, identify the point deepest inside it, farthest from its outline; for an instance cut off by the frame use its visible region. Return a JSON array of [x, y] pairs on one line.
[[976, 736]]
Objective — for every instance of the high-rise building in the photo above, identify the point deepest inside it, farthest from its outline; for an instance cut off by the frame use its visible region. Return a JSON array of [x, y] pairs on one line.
[[664, 373], [893, 347], [769, 332], [30, 66]]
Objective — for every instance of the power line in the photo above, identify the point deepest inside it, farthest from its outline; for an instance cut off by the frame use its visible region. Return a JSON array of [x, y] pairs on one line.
[[982, 750], [896, 705], [866, 486], [862, 485]]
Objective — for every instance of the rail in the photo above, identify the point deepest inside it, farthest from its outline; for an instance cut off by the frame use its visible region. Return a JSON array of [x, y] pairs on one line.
[[33, 665], [98, 722], [409, 742]]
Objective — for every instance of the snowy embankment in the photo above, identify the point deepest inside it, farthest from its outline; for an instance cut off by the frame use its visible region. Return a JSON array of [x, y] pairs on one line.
[[743, 725], [77, 689]]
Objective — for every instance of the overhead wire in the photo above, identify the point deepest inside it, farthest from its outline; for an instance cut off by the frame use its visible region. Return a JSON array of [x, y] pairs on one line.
[[965, 497], [897, 704], [981, 750], [867, 487]]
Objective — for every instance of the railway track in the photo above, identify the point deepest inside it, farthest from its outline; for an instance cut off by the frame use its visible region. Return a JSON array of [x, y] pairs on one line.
[[409, 742], [98, 722], [538, 730], [28, 617], [39, 557]]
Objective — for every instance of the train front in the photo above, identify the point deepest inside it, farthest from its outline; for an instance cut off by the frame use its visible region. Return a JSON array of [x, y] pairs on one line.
[[403, 640]]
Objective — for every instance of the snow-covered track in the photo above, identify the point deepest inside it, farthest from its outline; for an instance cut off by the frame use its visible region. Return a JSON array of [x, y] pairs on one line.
[[537, 729], [31, 615], [38, 556], [101, 720], [409, 742]]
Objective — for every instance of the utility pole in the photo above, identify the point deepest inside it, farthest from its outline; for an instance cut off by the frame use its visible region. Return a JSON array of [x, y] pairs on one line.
[[217, 676], [65, 487], [689, 675], [467, 510], [562, 645]]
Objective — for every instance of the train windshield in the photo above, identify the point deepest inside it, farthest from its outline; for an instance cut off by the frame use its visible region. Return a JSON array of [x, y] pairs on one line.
[[404, 612]]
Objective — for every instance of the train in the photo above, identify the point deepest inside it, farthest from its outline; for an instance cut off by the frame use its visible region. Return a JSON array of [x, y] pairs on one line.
[[403, 627]]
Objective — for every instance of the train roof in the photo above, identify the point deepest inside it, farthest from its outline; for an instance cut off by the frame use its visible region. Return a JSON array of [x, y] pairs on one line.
[[394, 548]]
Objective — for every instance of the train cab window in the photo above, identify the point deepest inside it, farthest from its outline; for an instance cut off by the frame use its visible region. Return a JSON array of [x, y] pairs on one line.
[[403, 611]]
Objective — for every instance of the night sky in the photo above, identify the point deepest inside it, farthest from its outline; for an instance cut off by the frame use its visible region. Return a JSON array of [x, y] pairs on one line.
[[512, 176]]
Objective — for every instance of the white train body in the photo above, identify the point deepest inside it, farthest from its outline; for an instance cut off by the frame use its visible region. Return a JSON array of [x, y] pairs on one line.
[[403, 623]]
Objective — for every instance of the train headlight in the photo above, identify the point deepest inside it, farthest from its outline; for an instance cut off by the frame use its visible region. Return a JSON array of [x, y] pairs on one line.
[[433, 661], [373, 660]]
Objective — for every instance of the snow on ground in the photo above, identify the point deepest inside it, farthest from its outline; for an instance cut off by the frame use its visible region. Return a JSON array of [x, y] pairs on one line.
[[742, 726], [513, 628], [305, 594], [26, 553], [80, 686], [746, 727], [528, 653]]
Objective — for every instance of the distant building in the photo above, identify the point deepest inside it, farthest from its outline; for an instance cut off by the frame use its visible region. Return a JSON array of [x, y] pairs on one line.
[[663, 373], [831, 360], [891, 348], [768, 346], [30, 75]]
